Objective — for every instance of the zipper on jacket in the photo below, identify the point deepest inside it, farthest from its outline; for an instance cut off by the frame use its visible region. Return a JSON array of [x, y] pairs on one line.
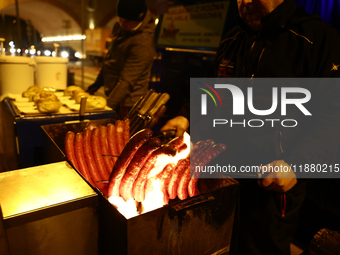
[[302, 36]]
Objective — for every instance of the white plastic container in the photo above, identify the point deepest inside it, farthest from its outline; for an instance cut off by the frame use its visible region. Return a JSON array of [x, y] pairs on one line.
[[16, 74], [51, 72]]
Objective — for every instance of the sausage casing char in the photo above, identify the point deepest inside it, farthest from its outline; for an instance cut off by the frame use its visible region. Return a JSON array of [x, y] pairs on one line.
[[69, 148], [176, 176], [137, 162], [177, 142], [210, 154], [138, 190], [135, 142], [200, 148]]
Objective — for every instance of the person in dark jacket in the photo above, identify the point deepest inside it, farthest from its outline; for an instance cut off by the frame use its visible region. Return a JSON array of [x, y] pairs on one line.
[[277, 39], [127, 66]]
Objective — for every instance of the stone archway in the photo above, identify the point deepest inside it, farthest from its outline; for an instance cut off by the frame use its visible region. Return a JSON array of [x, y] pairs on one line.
[[48, 19]]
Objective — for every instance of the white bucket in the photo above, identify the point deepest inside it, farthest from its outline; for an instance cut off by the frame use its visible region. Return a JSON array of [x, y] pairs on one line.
[[51, 72], [16, 74]]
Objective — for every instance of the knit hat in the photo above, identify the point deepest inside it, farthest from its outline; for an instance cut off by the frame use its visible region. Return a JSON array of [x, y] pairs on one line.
[[131, 9]]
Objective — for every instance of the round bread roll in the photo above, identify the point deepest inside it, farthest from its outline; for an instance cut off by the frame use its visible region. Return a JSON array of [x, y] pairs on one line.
[[95, 103], [75, 93], [31, 91], [48, 105], [78, 97], [69, 90], [44, 95]]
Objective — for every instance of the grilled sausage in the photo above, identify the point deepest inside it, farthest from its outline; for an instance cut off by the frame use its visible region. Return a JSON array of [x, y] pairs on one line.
[[201, 147], [111, 132], [136, 164], [105, 148], [95, 144], [164, 178], [135, 142], [87, 134], [182, 189], [126, 132], [177, 142], [69, 149], [211, 153], [79, 151], [138, 190], [176, 177]]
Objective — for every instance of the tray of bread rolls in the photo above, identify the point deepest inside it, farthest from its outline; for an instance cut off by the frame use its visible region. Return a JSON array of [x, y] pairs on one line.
[[37, 101]]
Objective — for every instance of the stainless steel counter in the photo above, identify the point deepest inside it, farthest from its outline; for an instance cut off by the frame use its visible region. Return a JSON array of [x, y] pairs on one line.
[[49, 209]]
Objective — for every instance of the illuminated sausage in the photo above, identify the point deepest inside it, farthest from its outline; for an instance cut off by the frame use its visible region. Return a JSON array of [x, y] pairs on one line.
[[176, 177], [126, 132], [95, 144], [209, 155], [87, 135], [136, 141], [105, 148], [134, 167], [138, 190], [69, 148], [79, 152], [111, 132]]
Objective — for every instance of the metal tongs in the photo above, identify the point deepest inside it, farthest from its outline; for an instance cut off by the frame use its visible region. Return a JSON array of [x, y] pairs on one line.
[[147, 110]]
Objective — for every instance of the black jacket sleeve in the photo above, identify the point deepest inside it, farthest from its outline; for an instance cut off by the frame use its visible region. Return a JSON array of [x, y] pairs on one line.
[[97, 84]]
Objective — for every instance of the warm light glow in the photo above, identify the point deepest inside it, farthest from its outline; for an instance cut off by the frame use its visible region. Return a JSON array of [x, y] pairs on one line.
[[127, 209], [156, 21], [77, 55], [64, 54], [32, 51], [163, 160], [63, 38], [47, 53], [91, 24], [12, 50], [154, 199]]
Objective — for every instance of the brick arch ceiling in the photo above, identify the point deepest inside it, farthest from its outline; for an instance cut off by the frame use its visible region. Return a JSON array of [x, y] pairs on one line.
[[46, 18]]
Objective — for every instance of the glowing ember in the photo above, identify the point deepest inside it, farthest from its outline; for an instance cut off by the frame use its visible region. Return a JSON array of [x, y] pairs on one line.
[[127, 209], [163, 160], [154, 199]]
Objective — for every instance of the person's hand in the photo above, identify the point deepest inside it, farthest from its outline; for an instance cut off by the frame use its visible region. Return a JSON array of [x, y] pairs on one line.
[[279, 176], [92, 89], [179, 123]]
